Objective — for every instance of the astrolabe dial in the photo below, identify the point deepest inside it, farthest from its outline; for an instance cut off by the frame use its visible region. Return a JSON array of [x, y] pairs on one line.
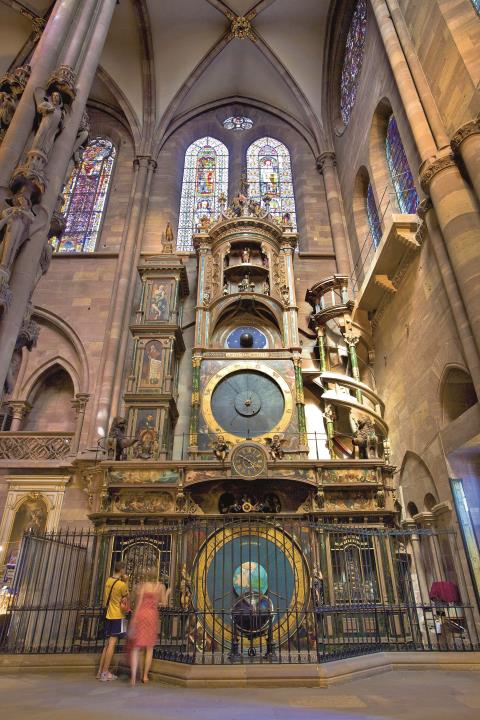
[[247, 403], [249, 460]]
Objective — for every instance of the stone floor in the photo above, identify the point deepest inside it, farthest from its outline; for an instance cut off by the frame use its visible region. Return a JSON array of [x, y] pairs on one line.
[[406, 695]]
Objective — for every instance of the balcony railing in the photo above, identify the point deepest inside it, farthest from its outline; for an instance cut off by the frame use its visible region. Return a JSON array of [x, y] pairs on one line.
[[35, 446]]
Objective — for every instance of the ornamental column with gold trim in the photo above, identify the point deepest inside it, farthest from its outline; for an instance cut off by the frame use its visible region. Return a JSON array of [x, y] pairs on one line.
[[196, 362], [326, 166], [300, 400], [466, 142]]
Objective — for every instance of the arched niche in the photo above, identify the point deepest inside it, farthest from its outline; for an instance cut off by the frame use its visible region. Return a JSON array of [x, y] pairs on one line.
[[429, 501], [31, 515], [380, 174], [230, 314], [457, 393], [416, 482], [50, 399]]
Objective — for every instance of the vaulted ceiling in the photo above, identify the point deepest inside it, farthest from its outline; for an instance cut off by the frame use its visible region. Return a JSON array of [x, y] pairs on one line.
[[167, 59]]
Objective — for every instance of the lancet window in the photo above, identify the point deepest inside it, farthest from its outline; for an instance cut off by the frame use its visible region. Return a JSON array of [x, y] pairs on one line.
[[400, 173], [353, 58], [269, 172], [85, 198], [374, 224], [205, 179]]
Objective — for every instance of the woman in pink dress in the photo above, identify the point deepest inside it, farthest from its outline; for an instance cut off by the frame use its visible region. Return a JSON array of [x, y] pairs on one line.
[[144, 625]]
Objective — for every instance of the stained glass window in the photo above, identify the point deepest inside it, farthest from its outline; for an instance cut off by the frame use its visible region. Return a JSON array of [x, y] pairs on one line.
[[352, 61], [400, 173], [269, 171], [476, 5], [238, 122], [205, 179], [374, 223], [85, 197]]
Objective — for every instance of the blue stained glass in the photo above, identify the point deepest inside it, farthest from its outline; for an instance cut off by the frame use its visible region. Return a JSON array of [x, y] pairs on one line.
[[84, 198], [400, 173], [269, 171], [352, 61], [373, 218], [476, 5], [205, 179]]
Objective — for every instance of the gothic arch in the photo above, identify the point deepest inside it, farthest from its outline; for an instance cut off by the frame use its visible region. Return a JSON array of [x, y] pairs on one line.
[[456, 392], [50, 397], [416, 481], [380, 174], [46, 369]]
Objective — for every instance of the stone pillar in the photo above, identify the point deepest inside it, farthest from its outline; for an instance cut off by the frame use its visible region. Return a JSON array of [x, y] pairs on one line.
[[459, 222], [20, 408], [129, 272], [300, 400], [25, 270], [352, 342], [411, 526], [80, 31], [464, 330], [416, 69], [43, 63], [79, 404], [466, 142], [419, 126], [326, 166]]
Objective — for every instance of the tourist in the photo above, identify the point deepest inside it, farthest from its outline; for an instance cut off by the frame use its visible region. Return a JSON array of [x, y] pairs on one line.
[[144, 626], [116, 606]]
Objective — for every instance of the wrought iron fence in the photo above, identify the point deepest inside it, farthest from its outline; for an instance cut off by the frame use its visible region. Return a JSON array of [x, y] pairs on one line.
[[259, 589]]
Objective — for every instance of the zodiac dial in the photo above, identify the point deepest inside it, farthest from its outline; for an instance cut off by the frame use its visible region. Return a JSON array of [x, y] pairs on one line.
[[248, 460]]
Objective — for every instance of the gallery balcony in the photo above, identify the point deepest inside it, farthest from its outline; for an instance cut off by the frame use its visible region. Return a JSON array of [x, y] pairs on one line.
[[24, 448]]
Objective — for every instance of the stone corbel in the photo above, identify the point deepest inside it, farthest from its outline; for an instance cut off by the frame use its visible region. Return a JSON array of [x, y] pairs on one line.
[[385, 282]]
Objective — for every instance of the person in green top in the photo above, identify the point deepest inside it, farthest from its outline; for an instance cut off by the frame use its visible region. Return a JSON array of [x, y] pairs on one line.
[[116, 589]]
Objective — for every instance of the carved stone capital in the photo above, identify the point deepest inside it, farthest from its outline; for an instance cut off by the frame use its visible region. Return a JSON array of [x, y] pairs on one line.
[[79, 403], [326, 159], [19, 408], [38, 26], [145, 161], [470, 128], [432, 168], [423, 208]]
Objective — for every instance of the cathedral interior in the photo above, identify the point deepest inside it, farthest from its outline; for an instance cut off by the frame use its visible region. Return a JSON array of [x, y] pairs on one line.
[[240, 324]]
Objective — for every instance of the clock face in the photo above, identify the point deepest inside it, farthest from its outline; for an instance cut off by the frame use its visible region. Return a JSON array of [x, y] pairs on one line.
[[247, 403], [249, 460], [246, 337]]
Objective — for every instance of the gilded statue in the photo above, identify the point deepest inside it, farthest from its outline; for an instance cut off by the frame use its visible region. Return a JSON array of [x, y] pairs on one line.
[[15, 222], [245, 255], [169, 239], [7, 110], [245, 285], [221, 448]]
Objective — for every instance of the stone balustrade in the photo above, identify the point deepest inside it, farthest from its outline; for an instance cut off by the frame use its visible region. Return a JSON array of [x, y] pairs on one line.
[[35, 445]]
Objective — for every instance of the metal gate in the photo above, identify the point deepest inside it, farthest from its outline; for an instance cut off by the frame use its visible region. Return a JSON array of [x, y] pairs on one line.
[[248, 589]]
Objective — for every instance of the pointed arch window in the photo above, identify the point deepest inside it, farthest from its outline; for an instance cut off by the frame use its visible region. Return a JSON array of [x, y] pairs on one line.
[[205, 179], [400, 173], [353, 59], [85, 198], [374, 223], [269, 170]]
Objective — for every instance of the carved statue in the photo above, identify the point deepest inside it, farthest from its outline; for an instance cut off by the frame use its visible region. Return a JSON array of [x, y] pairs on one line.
[[244, 184], [317, 586], [44, 263], [264, 256], [380, 498], [254, 208], [275, 447], [245, 255], [185, 589], [52, 114], [221, 448], [16, 221], [287, 221], [204, 223], [7, 110], [117, 442], [245, 285], [364, 439], [169, 239], [79, 145], [225, 291], [266, 287]]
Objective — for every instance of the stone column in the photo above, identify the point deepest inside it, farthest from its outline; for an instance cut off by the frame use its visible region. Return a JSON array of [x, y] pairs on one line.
[[43, 63], [464, 330], [419, 126], [466, 142], [352, 342], [25, 270], [20, 408], [416, 69], [411, 527], [193, 440], [322, 350], [459, 221], [80, 30], [326, 166], [300, 400], [147, 167], [79, 404]]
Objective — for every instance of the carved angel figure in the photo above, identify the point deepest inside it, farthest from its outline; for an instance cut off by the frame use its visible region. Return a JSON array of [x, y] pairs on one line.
[[52, 113], [15, 222], [275, 447]]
